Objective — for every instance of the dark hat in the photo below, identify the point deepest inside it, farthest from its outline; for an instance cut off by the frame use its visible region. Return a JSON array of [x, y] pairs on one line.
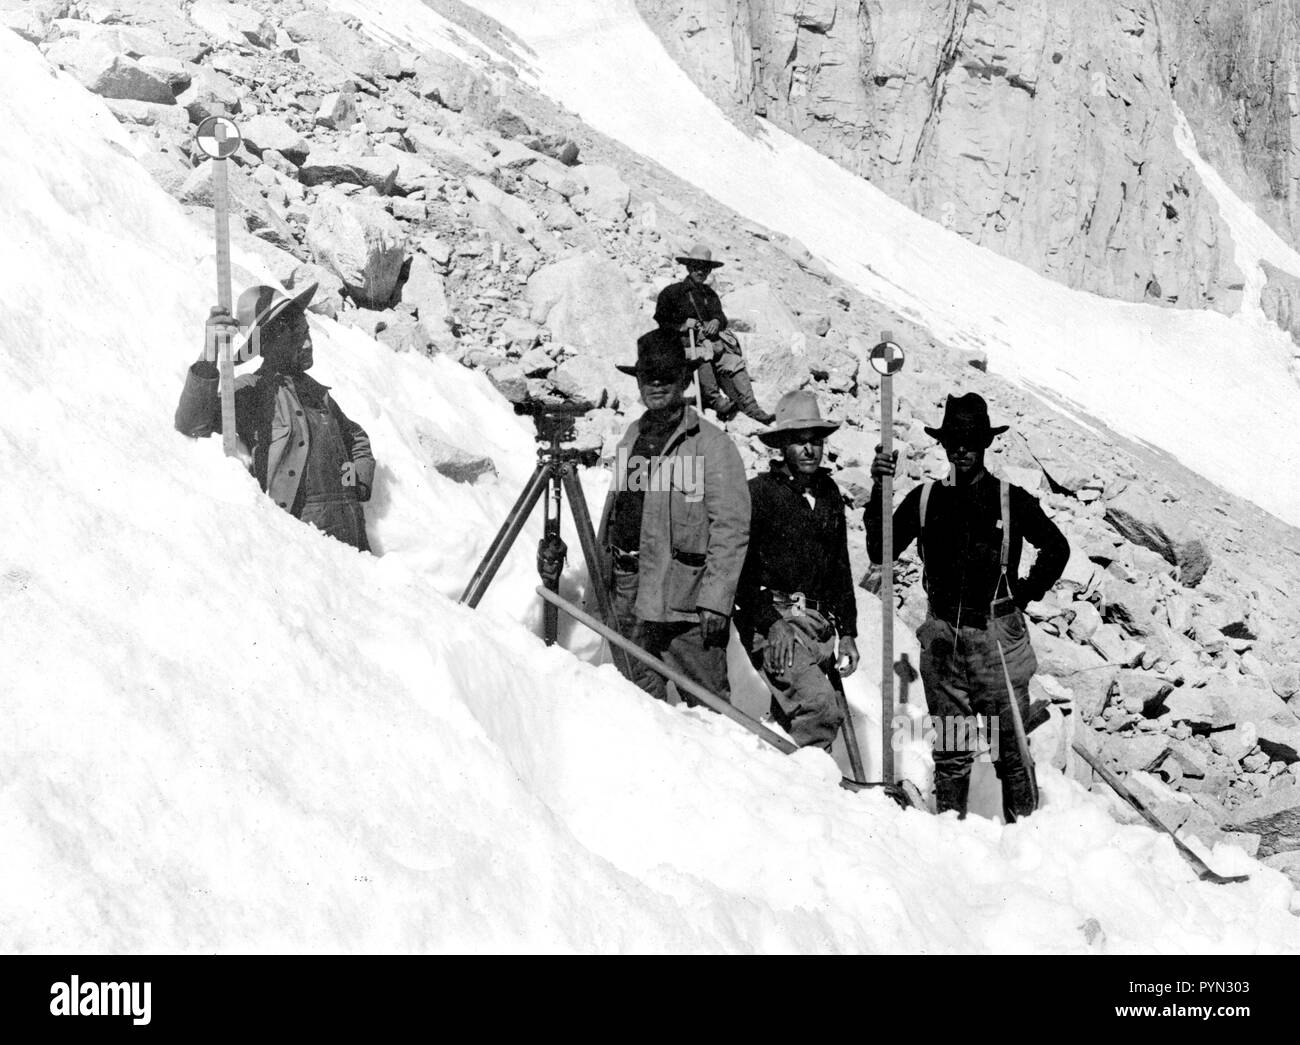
[[698, 255], [659, 349], [966, 415], [259, 305], [796, 412]]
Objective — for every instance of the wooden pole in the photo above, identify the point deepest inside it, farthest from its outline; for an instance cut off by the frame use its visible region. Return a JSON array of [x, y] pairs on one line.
[[226, 361], [886, 583]]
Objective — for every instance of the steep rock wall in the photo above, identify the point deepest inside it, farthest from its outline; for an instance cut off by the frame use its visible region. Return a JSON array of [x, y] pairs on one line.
[[1041, 130]]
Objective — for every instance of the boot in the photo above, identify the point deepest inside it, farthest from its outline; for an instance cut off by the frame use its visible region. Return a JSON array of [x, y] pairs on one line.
[[952, 793], [1019, 792]]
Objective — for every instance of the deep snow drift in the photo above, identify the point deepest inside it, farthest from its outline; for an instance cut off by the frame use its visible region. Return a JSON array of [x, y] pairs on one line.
[[224, 731], [1209, 389]]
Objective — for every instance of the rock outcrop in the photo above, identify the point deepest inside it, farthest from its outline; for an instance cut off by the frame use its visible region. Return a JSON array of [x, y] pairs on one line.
[[1041, 130]]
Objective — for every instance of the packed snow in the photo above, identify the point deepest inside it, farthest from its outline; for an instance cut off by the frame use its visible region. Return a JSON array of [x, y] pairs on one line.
[[226, 732], [1207, 388]]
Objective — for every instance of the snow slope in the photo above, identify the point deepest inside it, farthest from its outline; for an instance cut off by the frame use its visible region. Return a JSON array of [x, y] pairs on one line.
[[1184, 381], [225, 732]]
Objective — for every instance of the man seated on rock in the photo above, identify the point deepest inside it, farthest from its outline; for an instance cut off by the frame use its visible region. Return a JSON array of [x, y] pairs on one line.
[[307, 455], [796, 590], [675, 526], [693, 308], [970, 531]]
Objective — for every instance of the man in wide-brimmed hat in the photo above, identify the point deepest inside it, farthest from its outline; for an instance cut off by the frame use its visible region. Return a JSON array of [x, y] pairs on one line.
[[796, 590], [307, 455], [971, 529], [692, 309], [675, 525]]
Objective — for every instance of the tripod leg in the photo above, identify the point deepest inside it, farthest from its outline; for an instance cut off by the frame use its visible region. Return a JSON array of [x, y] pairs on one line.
[[505, 537], [550, 556], [587, 538]]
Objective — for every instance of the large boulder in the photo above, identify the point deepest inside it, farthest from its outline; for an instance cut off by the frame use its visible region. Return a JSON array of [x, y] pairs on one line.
[[246, 202], [517, 211], [607, 195], [1280, 299], [586, 301], [210, 93], [233, 23], [1141, 517], [413, 172], [425, 291], [361, 243], [759, 309], [456, 158], [332, 166], [265, 132], [447, 80], [107, 73]]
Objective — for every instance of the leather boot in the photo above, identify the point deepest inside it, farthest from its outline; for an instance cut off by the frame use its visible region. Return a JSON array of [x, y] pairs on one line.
[[1019, 792], [952, 793]]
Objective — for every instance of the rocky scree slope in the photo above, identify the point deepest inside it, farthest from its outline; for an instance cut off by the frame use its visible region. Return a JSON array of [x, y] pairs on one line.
[[446, 209]]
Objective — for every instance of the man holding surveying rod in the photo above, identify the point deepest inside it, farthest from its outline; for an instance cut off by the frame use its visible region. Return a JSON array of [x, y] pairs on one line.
[[975, 648]]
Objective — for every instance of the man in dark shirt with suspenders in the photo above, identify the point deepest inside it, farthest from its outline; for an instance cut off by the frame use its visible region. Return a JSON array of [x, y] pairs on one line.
[[971, 530]]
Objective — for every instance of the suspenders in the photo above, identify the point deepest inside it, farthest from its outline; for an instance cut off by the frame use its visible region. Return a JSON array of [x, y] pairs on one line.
[[1004, 499]]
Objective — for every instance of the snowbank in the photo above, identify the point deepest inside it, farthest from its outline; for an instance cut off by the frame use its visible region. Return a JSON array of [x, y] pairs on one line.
[[225, 732]]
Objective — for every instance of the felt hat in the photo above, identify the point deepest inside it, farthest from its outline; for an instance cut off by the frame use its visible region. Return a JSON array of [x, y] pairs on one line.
[[966, 416], [659, 350], [258, 306], [698, 255], [795, 412]]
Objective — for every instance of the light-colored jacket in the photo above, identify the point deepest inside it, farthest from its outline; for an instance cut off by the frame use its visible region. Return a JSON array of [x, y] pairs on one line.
[[693, 540]]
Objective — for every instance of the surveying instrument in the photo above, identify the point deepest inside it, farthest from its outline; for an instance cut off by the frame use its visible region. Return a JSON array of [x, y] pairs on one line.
[[556, 472]]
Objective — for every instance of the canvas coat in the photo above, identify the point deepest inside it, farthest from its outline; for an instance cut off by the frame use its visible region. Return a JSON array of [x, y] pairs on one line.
[[709, 526], [281, 449]]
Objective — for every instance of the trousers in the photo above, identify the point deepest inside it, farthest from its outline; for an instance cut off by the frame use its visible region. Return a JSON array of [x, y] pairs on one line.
[[681, 646], [962, 675]]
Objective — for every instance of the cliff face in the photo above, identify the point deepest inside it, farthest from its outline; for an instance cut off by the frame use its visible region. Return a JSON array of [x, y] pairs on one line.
[[1041, 130], [1235, 68]]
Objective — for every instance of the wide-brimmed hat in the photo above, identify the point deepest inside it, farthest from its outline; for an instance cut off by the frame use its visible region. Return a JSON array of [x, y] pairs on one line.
[[968, 416], [796, 412], [659, 349], [698, 255], [259, 305]]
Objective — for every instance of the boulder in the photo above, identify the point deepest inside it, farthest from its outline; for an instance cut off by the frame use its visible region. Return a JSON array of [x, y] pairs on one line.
[[1276, 819], [1139, 516], [338, 110], [509, 380], [1133, 752], [425, 291], [1127, 604], [458, 465], [587, 302], [107, 73], [149, 114], [233, 23], [759, 309], [446, 80], [171, 71], [413, 172], [607, 195], [210, 93], [335, 166], [359, 242], [557, 146], [329, 288], [555, 176], [246, 201], [263, 132], [404, 333], [455, 158], [1065, 470], [1280, 299], [517, 211], [588, 379]]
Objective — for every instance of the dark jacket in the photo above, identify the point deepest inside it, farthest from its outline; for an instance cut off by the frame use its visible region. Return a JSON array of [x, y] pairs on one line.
[[694, 526], [679, 302], [963, 542], [795, 548], [270, 422]]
